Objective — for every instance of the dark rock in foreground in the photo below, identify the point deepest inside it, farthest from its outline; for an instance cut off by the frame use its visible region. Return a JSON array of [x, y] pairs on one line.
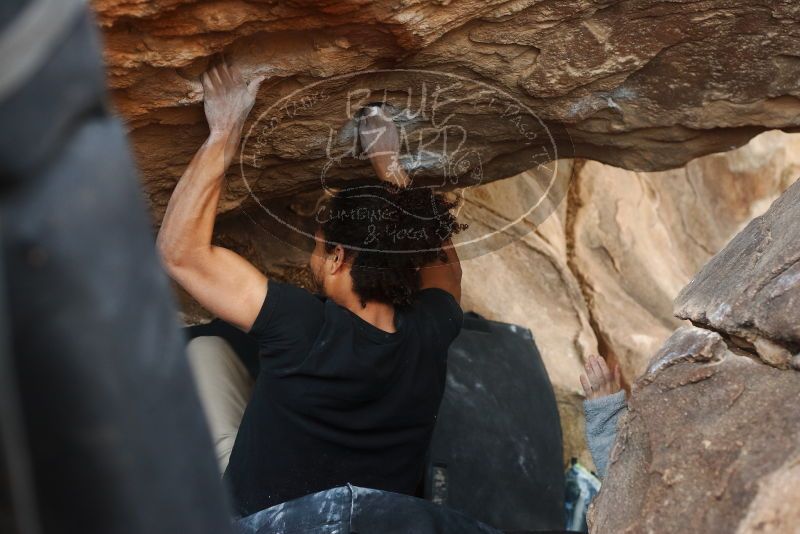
[[711, 443]]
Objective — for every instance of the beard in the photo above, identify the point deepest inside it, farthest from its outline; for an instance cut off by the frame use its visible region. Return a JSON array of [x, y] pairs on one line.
[[317, 282]]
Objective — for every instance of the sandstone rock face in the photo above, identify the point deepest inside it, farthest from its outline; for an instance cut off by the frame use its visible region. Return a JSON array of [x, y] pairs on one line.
[[641, 84], [711, 443], [600, 273], [638, 238], [616, 251], [712, 438], [772, 509], [528, 282], [751, 290]]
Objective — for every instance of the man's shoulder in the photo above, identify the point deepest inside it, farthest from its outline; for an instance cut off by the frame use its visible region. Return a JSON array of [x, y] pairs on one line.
[[439, 312], [436, 300], [292, 290], [286, 306]]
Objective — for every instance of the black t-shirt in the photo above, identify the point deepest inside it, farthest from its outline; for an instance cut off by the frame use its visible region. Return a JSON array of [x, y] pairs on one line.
[[338, 400]]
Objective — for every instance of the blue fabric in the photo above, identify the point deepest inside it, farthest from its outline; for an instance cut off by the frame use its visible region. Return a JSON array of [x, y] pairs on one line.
[[602, 417]]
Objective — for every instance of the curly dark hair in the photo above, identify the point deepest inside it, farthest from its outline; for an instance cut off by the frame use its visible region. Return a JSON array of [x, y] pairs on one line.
[[388, 234]]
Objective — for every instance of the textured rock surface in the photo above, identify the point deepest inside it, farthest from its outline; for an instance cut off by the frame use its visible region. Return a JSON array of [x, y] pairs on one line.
[[602, 270], [773, 509], [528, 280], [710, 444], [614, 254], [751, 289], [638, 238], [642, 84]]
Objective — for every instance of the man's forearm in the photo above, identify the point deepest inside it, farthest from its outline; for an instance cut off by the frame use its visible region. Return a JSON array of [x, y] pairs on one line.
[[380, 140], [188, 223], [389, 169]]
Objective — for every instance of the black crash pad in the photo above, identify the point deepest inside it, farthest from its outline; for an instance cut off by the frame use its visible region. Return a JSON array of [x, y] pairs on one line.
[[496, 453]]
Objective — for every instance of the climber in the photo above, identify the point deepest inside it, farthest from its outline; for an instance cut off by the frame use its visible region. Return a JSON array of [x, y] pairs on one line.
[[604, 405], [350, 381]]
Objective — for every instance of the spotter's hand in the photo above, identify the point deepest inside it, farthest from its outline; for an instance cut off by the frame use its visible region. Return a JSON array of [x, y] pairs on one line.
[[599, 380]]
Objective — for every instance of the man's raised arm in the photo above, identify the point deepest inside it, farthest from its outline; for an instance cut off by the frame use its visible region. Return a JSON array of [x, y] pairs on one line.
[[223, 282], [445, 275], [381, 143]]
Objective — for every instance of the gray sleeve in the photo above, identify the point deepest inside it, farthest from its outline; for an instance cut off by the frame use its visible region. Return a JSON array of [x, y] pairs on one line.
[[602, 415]]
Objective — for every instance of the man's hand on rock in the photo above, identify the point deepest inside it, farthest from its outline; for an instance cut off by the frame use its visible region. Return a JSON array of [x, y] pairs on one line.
[[599, 380], [380, 141], [227, 98]]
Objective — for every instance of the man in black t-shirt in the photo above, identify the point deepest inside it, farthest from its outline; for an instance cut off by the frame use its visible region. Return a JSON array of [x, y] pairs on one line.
[[349, 381]]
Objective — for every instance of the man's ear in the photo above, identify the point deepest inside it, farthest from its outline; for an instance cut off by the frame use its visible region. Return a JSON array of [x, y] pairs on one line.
[[337, 259]]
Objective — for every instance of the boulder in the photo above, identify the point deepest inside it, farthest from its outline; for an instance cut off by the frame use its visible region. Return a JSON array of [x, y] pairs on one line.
[[638, 238], [711, 440], [710, 443], [751, 290], [483, 89], [597, 275]]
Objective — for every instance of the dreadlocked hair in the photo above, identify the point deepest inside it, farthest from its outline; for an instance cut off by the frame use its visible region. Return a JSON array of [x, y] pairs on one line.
[[388, 233]]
